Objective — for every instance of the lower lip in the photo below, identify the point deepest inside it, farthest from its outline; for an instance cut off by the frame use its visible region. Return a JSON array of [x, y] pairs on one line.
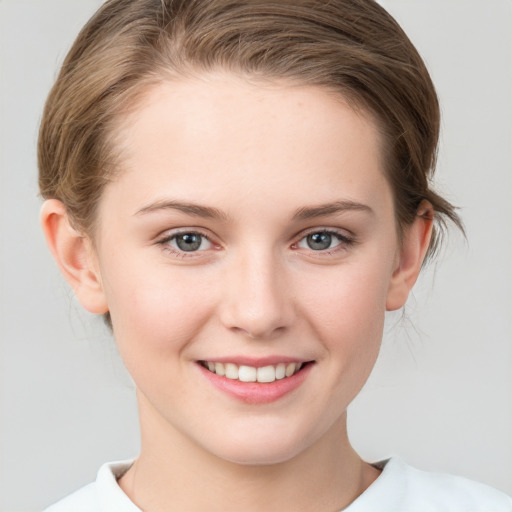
[[257, 392]]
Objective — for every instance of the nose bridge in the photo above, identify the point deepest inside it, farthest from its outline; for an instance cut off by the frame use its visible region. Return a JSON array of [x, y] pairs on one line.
[[256, 297]]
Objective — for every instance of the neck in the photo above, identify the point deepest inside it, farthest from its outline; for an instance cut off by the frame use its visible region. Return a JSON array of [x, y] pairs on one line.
[[174, 473]]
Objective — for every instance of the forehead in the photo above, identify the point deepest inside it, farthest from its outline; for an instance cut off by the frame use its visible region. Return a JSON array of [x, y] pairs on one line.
[[219, 135]]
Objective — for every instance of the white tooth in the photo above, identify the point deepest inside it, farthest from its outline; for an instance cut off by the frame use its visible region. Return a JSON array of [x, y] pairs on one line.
[[247, 374], [231, 371], [299, 366], [219, 369], [266, 374], [280, 371], [211, 366], [290, 369]]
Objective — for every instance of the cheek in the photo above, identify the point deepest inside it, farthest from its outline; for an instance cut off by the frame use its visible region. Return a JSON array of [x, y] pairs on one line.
[[155, 314], [351, 300], [347, 313]]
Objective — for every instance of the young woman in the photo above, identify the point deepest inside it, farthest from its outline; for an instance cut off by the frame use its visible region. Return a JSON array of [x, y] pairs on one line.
[[243, 189]]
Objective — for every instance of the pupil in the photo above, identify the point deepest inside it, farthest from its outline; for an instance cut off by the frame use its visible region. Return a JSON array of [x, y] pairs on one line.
[[319, 241], [188, 242]]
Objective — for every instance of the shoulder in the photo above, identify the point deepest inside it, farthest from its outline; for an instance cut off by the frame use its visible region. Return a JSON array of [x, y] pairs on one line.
[[456, 492], [402, 488], [102, 495], [83, 500]]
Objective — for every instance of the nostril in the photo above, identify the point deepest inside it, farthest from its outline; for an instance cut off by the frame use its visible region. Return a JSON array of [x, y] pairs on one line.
[[261, 333]]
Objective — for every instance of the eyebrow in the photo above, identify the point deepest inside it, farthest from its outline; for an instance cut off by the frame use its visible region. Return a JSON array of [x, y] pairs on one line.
[[206, 212], [309, 212]]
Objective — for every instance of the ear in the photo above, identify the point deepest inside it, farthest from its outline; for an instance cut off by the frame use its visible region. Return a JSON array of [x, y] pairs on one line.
[[412, 252], [74, 255]]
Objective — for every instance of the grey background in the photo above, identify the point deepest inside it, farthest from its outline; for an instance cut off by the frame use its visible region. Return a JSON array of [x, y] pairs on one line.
[[441, 394]]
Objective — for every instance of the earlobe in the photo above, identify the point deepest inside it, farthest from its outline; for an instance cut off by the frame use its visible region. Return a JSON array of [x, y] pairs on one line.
[[74, 255], [414, 247]]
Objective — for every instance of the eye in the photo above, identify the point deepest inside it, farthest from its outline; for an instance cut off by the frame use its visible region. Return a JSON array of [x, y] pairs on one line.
[[323, 240], [188, 242]]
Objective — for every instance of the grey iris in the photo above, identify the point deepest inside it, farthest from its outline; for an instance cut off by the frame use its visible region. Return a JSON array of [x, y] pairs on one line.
[[319, 241], [189, 241]]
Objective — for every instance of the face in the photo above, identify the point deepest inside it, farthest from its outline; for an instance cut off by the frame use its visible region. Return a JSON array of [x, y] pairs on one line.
[[251, 233]]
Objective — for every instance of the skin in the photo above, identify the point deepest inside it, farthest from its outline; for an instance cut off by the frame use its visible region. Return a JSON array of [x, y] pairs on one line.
[[264, 160]]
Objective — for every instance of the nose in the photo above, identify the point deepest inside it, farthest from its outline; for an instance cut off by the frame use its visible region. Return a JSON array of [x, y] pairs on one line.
[[256, 298]]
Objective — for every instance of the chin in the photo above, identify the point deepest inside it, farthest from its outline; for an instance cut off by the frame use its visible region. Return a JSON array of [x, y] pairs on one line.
[[258, 447], [258, 455]]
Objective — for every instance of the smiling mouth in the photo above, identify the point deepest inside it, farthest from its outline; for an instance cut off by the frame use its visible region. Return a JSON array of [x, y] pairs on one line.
[[263, 374]]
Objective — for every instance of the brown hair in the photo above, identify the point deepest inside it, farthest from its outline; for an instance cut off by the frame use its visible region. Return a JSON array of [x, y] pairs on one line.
[[353, 47]]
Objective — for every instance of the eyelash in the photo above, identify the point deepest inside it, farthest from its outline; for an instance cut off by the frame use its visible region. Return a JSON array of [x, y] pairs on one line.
[[345, 242], [165, 243]]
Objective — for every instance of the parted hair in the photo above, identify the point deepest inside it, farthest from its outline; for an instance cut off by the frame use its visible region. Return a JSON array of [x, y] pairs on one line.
[[352, 47]]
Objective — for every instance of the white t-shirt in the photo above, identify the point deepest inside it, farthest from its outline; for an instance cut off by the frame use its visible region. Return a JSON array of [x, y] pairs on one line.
[[399, 488]]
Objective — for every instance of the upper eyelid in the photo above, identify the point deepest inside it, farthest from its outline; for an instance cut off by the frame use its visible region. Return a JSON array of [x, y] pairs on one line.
[[343, 233], [169, 234]]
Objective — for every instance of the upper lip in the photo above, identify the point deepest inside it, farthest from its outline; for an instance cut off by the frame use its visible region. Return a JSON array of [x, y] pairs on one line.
[[256, 362]]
